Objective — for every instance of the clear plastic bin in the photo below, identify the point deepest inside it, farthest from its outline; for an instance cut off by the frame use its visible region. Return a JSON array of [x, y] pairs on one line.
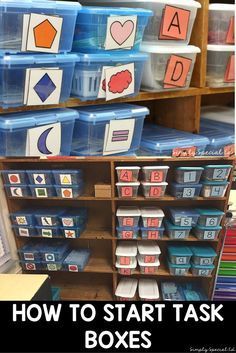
[[15, 127], [30, 251], [17, 190], [48, 232], [13, 15], [48, 217], [155, 174], [178, 270], [43, 191], [24, 217], [14, 177], [73, 232], [53, 251], [52, 266], [221, 141], [177, 232], [91, 27], [40, 177], [126, 252], [214, 188], [70, 192], [128, 216], [67, 177], [77, 260], [202, 271], [160, 71], [127, 174], [188, 175], [126, 270], [206, 233], [179, 255], [24, 231], [185, 191], [152, 217], [88, 72], [14, 69], [31, 266], [147, 267], [216, 172], [203, 255], [126, 289], [220, 17], [183, 216], [154, 190], [152, 32], [127, 232], [172, 291], [152, 233], [74, 217], [210, 217], [148, 289], [219, 70], [90, 127], [219, 114], [127, 190], [148, 251]]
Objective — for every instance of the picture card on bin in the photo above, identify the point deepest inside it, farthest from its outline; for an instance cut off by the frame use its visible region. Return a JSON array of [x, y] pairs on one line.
[[44, 140], [177, 71], [118, 136], [121, 32], [230, 70], [41, 33], [119, 81], [42, 86], [230, 39], [102, 86], [174, 23]]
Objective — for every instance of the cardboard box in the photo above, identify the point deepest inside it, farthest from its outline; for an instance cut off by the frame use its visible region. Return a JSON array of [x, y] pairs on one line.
[[102, 190]]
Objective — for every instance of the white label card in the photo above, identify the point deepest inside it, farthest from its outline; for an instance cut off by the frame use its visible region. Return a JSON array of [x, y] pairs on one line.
[[179, 234], [41, 33], [189, 192], [203, 272], [16, 192], [205, 261], [190, 177], [49, 257], [217, 191], [211, 222], [21, 220], [46, 221], [121, 32], [180, 271], [24, 232], [67, 222], [39, 178], [209, 234], [186, 221], [47, 233], [43, 141], [119, 81], [65, 179], [52, 267], [14, 178], [118, 136], [42, 86], [181, 260], [219, 174]]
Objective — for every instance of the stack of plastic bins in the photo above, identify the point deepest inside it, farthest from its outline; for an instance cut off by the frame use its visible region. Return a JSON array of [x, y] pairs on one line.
[[152, 218], [208, 225], [128, 222], [220, 50], [215, 180], [179, 260], [126, 252], [187, 182], [148, 256], [154, 184]]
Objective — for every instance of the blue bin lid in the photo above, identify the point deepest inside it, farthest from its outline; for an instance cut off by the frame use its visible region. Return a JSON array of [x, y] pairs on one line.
[[119, 11], [157, 138], [209, 212], [146, 229], [179, 250], [216, 137], [135, 229], [67, 171], [177, 185], [36, 118], [33, 171], [214, 183], [78, 257], [112, 57], [184, 212], [222, 126], [189, 168], [111, 112], [42, 4], [202, 267], [208, 228], [223, 166], [187, 266], [172, 226], [205, 251], [29, 59]]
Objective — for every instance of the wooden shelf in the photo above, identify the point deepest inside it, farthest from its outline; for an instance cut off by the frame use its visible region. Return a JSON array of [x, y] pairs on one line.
[[87, 292], [99, 264]]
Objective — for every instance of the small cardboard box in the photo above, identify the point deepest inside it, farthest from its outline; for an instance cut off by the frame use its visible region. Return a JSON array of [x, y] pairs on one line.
[[102, 190]]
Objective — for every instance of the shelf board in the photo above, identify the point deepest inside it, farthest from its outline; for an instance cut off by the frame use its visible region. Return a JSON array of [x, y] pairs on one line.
[[87, 292], [99, 264], [80, 198], [170, 198], [100, 234]]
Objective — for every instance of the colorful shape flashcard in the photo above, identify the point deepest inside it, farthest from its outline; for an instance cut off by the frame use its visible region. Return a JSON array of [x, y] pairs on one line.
[[73, 268], [41, 192], [21, 220], [230, 70], [39, 179], [67, 222], [52, 267], [119, 81], [16, 192], [121, 32], [66, 193], [30, 266], [69, 233], [174, 23], [14, 178], [65, 179], [177, 71], [46, 233], [49, 257], [23, 232], [28, 256], [46, 221]]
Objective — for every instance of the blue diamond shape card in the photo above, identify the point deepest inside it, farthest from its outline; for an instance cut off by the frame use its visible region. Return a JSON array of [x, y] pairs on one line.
[[42, 86]]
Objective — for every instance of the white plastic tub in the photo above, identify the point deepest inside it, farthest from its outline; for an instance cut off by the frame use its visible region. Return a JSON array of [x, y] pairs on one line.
[[220, 22], [127, 174], [126, 252], [148, 251], [155, 174], [152, 217], [220, 63], [146, 268], [128, 216], [162, 70], [126, 289], [128, 190], [154, 190], [148, 289], [126, 270]]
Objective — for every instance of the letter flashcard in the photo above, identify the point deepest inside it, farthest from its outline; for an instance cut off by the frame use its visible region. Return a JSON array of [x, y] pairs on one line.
[[230, 34], [230, 69], [174, 24], [177, 71]]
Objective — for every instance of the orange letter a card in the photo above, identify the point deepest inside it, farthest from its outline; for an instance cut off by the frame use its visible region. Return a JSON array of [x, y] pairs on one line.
[[174, 23]]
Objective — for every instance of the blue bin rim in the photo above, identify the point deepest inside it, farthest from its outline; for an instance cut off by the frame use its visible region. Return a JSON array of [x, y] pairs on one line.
[[99, 10], [203, 251], [210, 212], [44, 4], [23, 59], [121, 56]]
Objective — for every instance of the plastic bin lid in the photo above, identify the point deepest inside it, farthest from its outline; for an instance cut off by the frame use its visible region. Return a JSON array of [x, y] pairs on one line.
[[189, 168], [209, 212], [111, 11], [205, 251], [177, 185], [33, 171], [36, 118], [148, 289], [216, 137], [148, 248], [198, 226], [190, 3], [116, 57], [133, 265], [22, 59], [187, 266], [214, 183], [79, 256], [111, 112], [179, 250], [126, 288], [148, 264], [219, 113], [134, 229], [136, 183], [222, 7], [216, 47], [42, 4], [146, 183], [126, 248], [127, 167], [128, 211], [151, 212], [184, 211], [152, 167], [213, 166], [153, 47], [145, 229], [172, 226], [202, 267], [67, 171]]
